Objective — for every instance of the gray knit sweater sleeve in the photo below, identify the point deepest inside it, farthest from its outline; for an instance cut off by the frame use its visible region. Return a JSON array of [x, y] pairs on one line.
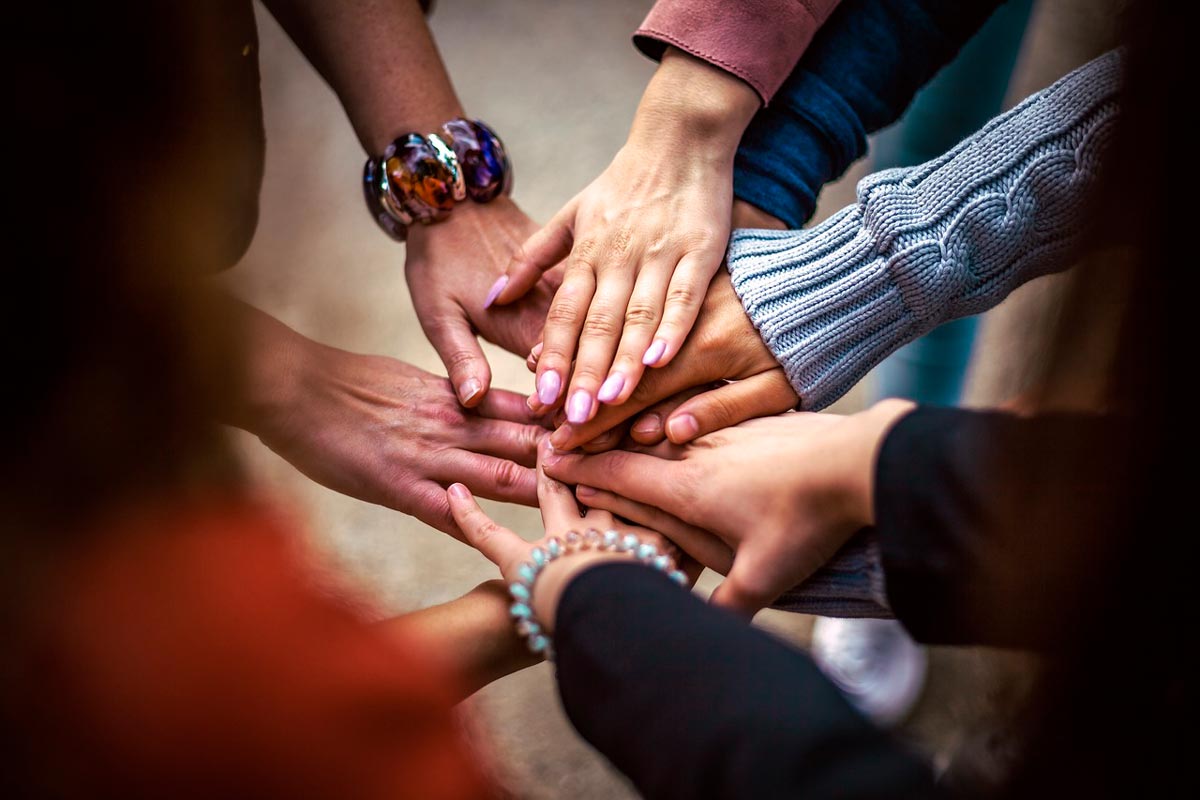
[[927, 244]]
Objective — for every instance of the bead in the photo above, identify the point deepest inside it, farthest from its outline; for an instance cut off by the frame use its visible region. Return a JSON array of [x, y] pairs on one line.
[[592, 538], [520, 592], [574, 540], [538, 643], [527, 627], [450, 161], [393, 225], [527, 573], [610, 540], [418, 181], [554, 547], [645, 552], [629, 543], [520, 611], [483, 158], [539, 557], [679, 577], [661, 563]]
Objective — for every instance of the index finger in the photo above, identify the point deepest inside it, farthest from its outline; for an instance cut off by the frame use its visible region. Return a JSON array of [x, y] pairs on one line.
[[642, 477]]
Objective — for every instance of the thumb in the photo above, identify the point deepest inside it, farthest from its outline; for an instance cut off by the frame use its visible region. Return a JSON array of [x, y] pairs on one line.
[[458, 347], [761, 395], [539, 253], [498, 544], [747, 587]]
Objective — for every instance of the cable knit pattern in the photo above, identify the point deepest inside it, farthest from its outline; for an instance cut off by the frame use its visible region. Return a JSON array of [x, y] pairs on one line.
[[923, 245]]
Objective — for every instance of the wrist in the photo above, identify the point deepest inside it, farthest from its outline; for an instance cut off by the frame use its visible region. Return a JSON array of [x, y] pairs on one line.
[[872, 428], [747, 215], [692, 103], [275, 360], [557, 576]]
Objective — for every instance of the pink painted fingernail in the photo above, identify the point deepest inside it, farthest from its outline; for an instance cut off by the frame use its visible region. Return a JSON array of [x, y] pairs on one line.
[[495, 291], [579, 407], [682, 428], [611, 388], [548, 385], [655, 352]]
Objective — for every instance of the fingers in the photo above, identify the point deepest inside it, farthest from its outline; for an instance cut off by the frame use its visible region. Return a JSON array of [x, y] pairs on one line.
[[650, 427], [539, 253], [644, 478], [564, 321], [685, 295], [747, 589], [498, 544], [701, 545], [487, 476], [762, 395], [504, 405], [560, 512], [642, 316], [597, 343], [451, 335], [505, 440]]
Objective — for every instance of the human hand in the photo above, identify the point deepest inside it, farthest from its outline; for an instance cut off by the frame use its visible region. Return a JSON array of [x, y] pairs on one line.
[[560, 514], [643, 240], [381, 430], [783, 494], [724, 346], [449, 267]]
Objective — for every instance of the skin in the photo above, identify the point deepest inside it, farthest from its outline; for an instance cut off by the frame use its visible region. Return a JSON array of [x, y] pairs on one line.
[[724, 346], [767, 502], [560, 514], [641, 243], [388, 90], [378, 429]]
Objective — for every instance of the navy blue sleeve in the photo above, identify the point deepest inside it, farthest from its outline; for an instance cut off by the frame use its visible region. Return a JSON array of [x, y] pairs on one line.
[[690, 701], [858, 76]]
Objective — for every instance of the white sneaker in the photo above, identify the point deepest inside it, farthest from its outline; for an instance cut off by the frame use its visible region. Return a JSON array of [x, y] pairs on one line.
[[875, 663]]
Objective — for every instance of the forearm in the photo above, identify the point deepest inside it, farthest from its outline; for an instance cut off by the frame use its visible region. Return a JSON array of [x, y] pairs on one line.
[[707, 688], [472, 637], [860, 73], [381, 61], [949, 238]]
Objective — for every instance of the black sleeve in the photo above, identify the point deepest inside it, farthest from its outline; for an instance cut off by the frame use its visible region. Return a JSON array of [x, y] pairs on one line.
[[980, 517], [690, 701]]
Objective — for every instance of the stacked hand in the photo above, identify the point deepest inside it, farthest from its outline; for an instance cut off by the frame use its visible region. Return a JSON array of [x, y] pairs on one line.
[[767, 502]]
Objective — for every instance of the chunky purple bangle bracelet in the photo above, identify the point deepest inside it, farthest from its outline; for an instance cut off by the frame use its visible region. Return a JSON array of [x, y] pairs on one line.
[[420, 178]]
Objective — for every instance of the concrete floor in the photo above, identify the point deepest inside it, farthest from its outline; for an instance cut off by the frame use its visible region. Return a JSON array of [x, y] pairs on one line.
[[560, 81]]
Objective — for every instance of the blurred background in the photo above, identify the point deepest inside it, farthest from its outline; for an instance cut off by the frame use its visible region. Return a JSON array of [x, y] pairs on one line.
[[560, 81]]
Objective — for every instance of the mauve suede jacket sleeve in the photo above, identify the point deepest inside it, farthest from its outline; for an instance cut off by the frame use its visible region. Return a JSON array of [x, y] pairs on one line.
[[759, 41]]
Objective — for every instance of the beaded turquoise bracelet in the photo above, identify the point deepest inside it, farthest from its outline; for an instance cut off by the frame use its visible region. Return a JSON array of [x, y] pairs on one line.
[[574, 542]]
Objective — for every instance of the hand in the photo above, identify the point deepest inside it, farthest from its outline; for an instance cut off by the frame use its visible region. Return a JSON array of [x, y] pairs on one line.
[[644, 240], [449, 266], [724, 347], [783, 494], [560, 514], [381, 430]]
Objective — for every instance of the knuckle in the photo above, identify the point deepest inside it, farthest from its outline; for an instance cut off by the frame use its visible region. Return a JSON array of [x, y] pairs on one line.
[[601, 323], [641, 315], [508, 474], [683, 294]]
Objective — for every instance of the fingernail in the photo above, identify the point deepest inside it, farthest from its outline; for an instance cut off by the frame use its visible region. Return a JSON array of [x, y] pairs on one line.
[[495, 291], [536, 352], [682, 428], [559, 438], [584, 491], [651, 423], [579, 408], [611, 388], [548, 384], [533, 403], [468, 389], [655, 352], [459, 491]]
